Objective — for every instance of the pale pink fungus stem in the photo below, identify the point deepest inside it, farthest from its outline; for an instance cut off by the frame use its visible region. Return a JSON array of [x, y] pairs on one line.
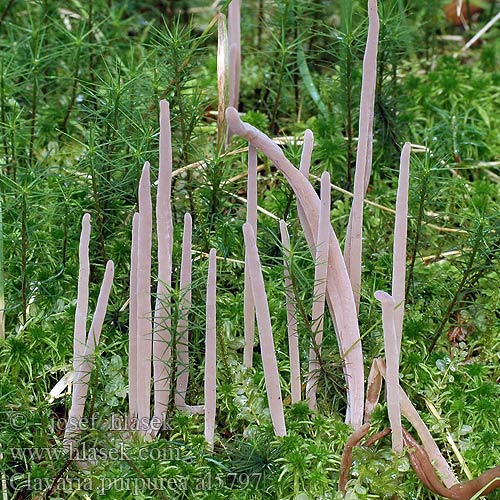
[[211, 351], [86, 363], [132, 342], [399, 247], [182, 343], [305, 157], [339, 292], [101, 306], [304, 169], [162, 337], [392, 350], [248, 304], [353, 244], [269, 362], [430, 446], [144, 316], [320, 277], [82, 300], [291, 316]]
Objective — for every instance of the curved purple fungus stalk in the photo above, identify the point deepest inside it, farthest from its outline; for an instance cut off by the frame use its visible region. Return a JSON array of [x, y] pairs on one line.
[[338, 287]]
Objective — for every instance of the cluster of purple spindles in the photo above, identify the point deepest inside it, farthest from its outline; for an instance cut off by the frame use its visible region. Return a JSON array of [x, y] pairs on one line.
[[337, 283]]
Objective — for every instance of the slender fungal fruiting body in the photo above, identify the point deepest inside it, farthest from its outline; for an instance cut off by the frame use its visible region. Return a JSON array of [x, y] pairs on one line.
[[305, 157], [269, 362], [132, 325], [182, 341], [82, 300], [339, 291], [84, 345], [399, 246], [144, 316], [162, 337], [248, 304], [211, 350], [392, 349], [374, 386]]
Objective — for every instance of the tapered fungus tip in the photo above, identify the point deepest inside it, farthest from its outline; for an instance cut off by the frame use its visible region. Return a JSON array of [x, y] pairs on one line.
[[145, 171], [325, 178], [234, 122], [212, 254], [372, 6], [164, 106], [383, 297], [308, 135], [187, 218], [86, 219], [110, 266]]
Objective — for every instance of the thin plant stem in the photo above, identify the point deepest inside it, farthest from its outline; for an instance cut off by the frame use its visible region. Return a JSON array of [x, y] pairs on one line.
[[349, 120], [6, 11], [6, 169], [34, 102], [74, 89], [467, 273], [24, 256], [260, 22], [418, 234], [91, 51], [97, 200]]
